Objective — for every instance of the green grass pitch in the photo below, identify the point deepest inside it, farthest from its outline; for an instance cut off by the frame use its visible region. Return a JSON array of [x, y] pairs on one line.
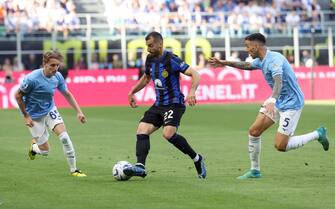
[[299, 179]]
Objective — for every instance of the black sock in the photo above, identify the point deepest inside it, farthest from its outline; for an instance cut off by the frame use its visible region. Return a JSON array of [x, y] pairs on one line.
[[181, 143], [142, 147]]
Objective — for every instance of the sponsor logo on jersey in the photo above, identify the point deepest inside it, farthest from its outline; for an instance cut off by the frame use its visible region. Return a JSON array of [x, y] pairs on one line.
[[158, 84], [165, 74]]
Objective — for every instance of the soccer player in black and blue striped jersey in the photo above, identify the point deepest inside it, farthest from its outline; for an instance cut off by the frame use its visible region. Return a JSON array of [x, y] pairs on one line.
[[164, 69]]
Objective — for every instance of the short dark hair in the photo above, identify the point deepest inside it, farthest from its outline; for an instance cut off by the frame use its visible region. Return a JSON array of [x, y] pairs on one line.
[[256, 37], [157, 36]]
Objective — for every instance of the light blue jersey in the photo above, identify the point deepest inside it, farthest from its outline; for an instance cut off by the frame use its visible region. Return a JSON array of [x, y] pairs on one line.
[[274, 63], [39, 92]]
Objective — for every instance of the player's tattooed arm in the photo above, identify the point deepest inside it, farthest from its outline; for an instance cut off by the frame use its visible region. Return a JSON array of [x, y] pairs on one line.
[[277, 86], [240, 65], [220, 63]]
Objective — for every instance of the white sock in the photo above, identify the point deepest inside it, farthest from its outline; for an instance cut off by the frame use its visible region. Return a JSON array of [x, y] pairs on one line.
[[36, 149], [298, 141], [68, 150], [196, 158], [254, 152], [44, 152]]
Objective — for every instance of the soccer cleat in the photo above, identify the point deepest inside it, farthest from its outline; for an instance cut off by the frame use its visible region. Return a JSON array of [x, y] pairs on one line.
[[323, 138], [137, 170], [200, 167], [78, 173], [31, 152], [250, 174]]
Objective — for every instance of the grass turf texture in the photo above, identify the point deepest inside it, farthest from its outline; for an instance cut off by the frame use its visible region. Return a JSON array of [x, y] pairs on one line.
[[299, 179]]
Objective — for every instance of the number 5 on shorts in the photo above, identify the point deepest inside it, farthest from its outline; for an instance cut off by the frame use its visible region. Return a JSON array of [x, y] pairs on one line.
[[287, 121]]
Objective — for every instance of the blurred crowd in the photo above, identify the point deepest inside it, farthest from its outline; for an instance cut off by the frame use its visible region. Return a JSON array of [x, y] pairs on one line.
[[32, 62], [39, 15], [172, 17]]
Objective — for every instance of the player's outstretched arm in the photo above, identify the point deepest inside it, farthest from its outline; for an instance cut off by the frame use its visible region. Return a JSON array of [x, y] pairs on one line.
[[72, 101], [19, 99], [215, 62], [191, 98], [144, 80], [220, 63]]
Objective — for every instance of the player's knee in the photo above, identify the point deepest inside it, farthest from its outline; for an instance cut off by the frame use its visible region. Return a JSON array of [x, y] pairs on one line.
[[280, 146], [254, 132], [144, 128], [42, 141], [168, 135], [64, 138]]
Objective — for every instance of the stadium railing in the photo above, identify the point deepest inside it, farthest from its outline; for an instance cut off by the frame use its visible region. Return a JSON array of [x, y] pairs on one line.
[[95, 27]]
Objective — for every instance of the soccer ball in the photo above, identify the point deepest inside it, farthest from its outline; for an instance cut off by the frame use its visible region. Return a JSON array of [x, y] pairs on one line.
[[118, 170]]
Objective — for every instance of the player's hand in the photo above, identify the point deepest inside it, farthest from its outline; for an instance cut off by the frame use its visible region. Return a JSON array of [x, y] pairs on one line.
[[215, 62], [270, 109], [269, 105], [132, 101], [81, 117], [28, 121], [191, 99]]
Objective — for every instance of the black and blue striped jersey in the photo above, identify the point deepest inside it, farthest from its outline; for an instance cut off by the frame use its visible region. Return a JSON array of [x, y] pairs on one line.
[[165, 73]]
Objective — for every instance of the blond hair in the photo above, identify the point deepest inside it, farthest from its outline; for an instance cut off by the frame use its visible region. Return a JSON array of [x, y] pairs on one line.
[[52, 54]]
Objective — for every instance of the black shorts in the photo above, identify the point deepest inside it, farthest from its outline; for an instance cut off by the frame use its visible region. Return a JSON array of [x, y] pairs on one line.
[[164, 115]]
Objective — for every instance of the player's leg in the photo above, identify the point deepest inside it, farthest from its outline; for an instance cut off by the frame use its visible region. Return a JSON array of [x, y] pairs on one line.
[[171, 120], [150, 122], [143, 133], [68, 148], [261, 123], [285, 141], [39, 144], [169, 133], [56, 124], [38, 149]]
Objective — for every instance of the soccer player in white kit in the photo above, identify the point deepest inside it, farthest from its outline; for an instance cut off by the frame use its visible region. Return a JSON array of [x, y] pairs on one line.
[[35, 98], [283, 106]]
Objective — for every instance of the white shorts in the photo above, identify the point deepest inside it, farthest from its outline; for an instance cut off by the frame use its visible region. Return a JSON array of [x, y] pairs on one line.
[[288, 120], [40, 129]]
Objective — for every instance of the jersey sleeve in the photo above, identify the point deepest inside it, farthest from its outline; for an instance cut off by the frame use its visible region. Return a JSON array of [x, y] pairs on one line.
[[178, 64], [26, 85], [276, 66], [61, 83]]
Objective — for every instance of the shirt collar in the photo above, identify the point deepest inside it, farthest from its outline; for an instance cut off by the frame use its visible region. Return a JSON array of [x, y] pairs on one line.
[[163, 55], [267, 53]]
